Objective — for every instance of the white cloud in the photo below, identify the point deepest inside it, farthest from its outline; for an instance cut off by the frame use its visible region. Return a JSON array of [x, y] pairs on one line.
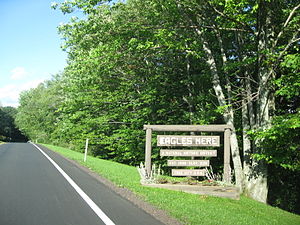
[[9, 94], [18, 73], [31, 84]]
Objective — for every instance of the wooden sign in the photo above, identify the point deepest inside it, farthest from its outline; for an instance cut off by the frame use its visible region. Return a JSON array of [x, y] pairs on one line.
[[171, 140], [199, 163], [189, 153], [189, 141], [183, 173]]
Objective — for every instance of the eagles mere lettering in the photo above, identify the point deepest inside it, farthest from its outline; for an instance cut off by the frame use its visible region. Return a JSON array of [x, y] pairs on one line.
[[171, 140]]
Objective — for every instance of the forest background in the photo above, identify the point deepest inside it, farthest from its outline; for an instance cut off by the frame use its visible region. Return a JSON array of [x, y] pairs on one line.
[[179, 62]]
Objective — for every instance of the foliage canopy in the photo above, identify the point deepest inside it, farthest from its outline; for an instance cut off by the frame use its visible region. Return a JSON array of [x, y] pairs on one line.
[[176, 62]]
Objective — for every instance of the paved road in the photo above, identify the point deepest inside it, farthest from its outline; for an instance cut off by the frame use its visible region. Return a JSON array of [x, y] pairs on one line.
[[33, 192]]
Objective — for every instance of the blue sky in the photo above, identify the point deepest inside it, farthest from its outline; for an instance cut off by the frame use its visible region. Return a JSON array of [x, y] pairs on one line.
[[29, 46]]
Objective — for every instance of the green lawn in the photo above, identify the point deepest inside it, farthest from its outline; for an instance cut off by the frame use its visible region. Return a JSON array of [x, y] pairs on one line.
[[187, 208]]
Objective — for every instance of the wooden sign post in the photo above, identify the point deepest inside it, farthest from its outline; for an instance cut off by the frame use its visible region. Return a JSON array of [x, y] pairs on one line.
[[189, 141]]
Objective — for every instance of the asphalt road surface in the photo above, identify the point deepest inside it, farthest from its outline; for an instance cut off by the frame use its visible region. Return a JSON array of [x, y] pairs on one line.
[[34, 192]]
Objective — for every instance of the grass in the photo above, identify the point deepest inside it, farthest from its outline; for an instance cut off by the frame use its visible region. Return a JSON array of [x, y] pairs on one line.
[[187, 208]]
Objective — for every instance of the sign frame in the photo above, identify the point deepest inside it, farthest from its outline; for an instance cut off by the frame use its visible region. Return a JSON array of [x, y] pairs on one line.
[[224, 128]]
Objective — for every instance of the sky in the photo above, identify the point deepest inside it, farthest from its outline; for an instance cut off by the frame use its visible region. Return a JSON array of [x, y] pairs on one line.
[[30, 50]]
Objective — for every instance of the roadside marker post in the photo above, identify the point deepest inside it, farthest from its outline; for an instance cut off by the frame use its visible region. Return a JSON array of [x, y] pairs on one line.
[[86, 149]]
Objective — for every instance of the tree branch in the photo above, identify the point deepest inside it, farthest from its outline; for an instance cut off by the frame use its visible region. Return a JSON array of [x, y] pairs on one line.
[[285, 24], [229, 18], [292, 41]]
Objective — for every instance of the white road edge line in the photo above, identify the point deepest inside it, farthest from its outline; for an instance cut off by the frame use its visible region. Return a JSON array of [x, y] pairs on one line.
[[83, 195]]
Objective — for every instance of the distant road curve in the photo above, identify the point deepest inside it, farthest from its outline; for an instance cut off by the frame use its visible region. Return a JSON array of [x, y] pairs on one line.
[[38, 187]]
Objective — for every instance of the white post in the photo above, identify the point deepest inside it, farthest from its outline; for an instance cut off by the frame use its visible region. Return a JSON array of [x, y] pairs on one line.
[[148, 152], [86, 149], [226, 176]]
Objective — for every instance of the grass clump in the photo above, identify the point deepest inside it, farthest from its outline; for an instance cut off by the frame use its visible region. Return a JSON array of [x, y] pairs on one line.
[[187, 208]]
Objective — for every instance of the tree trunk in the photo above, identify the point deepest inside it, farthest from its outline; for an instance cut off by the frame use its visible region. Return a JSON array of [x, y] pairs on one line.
[[257, 186], [255, 171], [190, 85], [228, 115], [247, 146]]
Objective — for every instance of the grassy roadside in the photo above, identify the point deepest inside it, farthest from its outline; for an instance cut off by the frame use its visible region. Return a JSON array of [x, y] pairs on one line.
[[187, 208]]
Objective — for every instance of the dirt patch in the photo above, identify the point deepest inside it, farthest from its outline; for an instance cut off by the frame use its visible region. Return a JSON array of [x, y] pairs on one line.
[[212, 190]]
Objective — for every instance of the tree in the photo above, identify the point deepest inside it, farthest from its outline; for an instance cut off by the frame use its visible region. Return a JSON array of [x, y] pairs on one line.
[[8, 130], [131, 94], [37, 115], [247, 39], [172, 62]]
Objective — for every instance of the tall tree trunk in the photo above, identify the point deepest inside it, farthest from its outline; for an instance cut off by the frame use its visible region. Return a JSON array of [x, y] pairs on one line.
[[254, 170], [228, 115], [257, 186], [248, 122], [190, 86]]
